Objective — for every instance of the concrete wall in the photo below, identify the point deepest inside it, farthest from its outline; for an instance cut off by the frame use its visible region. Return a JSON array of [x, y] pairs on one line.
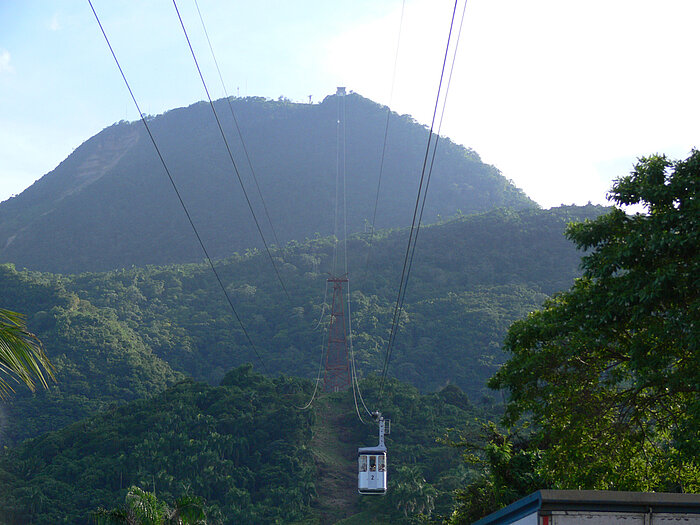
[[621, 518]]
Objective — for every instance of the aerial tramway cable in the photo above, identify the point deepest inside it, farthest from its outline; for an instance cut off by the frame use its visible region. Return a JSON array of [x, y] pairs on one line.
[[355, 381], [374, 481], [415, 224], [340, 159], [337, 265], [323, 307], [339, 176], [386, 134], [250, 166], [318, 376], [356, 384], [230, 154], [437, 139], [177, 192], [341, 164], [238, 129]]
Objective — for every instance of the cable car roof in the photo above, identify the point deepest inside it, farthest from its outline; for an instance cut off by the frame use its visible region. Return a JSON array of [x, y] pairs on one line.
[[371, 450]]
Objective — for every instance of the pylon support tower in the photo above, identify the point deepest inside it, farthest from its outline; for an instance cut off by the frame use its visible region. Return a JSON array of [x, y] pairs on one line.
[[337, 374]]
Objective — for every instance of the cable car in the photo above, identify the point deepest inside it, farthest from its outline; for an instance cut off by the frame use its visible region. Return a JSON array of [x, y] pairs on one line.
[[371, 468]]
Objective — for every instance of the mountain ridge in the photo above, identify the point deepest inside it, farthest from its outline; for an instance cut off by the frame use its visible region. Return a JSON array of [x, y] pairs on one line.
[[110, 204]]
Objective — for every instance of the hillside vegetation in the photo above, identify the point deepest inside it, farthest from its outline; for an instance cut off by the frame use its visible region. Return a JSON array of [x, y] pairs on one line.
[[245, 449], [603, 381], [121, 335], [110, 203]]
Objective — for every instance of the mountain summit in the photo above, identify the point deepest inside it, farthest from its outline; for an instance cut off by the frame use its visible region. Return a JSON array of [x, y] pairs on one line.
[[110, 203]]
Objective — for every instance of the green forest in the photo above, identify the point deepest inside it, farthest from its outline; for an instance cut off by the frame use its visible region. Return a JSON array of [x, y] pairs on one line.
[[603, 381], [117, 336], [243, 446], [537, 349]]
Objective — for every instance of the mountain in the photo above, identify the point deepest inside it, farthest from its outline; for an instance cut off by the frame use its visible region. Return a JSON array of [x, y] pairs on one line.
[[120, 335], [110, 203]]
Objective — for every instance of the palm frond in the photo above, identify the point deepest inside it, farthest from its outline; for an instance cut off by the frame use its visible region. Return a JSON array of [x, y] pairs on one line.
[[188, 510], [22, 357], [112, 517]]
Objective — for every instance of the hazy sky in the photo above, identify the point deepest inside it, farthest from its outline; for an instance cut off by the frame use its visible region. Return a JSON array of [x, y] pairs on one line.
[[561, 96]]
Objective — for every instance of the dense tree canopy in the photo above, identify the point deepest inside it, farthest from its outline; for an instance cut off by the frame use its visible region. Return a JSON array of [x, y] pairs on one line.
[[505, 470], [129, 334], [609, 371], [243, 447], [121, 335], [240, 446]]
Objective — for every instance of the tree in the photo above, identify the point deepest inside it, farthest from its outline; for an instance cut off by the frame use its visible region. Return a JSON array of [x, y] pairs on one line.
[[411, 495], [609, 371], [144, 508], [507, 472], [22, 357]]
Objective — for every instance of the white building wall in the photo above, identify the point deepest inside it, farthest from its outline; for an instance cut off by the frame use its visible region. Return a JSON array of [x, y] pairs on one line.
[[530, 519], [621, 518], [678, 519]]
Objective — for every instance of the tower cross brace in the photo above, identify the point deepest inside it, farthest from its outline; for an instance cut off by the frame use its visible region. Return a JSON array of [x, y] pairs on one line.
[[337, 374]]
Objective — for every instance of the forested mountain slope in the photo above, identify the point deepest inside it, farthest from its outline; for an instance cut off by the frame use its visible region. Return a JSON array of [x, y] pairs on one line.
[[110, 203], [99, 360], [123, 334], [245, 448]]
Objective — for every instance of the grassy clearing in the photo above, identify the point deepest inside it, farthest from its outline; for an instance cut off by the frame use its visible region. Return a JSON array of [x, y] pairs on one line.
[[335, 461]]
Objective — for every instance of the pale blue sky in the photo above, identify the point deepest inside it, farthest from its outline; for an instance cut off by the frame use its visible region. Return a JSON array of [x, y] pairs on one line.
[[561, 96]]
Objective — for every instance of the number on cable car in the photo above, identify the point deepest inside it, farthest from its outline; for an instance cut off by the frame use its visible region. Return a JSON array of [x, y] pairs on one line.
[[371, 468]]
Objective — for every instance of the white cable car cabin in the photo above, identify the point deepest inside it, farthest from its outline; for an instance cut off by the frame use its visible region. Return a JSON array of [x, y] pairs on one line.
[[371, 476], [371, 473]]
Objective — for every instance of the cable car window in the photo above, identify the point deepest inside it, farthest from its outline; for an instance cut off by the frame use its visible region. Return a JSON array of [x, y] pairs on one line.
[[380, 463], [372, 463], [363, 463]]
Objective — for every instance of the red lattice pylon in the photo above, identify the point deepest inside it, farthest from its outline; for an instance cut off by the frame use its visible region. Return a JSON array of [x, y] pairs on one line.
[[337, 374]]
